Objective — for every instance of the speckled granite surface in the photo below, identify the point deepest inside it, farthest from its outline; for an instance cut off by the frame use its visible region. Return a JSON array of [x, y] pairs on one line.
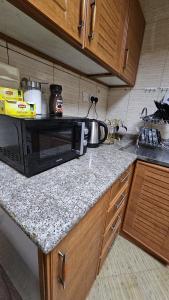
[[48, 205]]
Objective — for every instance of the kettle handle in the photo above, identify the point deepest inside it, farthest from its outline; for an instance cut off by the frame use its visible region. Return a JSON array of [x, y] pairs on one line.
[[102, 124]]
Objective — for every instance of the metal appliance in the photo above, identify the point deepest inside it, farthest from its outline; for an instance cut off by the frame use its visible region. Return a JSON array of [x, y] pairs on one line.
[[33, 145], [98, 132]]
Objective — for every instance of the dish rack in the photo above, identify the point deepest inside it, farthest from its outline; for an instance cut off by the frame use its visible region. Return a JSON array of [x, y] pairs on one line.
[[160, 143], [155, 121]]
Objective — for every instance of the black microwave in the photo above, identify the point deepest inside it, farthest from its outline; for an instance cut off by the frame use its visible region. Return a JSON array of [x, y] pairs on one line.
[[33, 145]]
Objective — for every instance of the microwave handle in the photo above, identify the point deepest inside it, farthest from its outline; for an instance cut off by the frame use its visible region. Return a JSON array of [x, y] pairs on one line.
[[81, 126]]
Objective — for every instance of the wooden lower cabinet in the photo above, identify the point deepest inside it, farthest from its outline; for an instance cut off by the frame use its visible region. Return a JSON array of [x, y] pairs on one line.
[[71, 268], [68, 272], [147, 214]]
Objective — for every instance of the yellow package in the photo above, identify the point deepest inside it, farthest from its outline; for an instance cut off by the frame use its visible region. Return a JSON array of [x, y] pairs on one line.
[[10, 94], [17, 108]]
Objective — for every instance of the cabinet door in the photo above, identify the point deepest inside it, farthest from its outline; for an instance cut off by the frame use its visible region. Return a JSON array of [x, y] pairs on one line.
[[68, 15], [147, 215], [72, 266], [105, 25], [133, 42]]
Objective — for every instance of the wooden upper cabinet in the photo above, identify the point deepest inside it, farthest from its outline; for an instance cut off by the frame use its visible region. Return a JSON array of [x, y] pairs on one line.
[[104, 29], [147, 215], [134, 37], [108, 31], [69, 15]]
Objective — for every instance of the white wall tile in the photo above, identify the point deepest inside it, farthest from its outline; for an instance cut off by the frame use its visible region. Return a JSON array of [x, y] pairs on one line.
[[165, 75], [31, 68], [155, 10], [70, 85], [4, 59], [3, 55], [156, 36], [28, 54], [2, 43], [151, 69], [118, 100], [87, 86], [70, 109], [138, 100]]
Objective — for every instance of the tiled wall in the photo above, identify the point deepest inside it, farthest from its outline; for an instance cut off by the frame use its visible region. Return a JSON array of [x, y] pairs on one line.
[[153, 69], [35, 68]]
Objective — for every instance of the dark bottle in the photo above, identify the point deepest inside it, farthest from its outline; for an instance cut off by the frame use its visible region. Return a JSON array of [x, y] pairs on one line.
[[56, 100]]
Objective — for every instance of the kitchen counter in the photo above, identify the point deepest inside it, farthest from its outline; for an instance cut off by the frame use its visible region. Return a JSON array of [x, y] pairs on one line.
[[47, 206]]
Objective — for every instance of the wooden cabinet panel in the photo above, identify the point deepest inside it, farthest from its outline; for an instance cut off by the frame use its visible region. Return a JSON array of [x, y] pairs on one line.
[[69, 15], [73, 264], [133, 42], [105, 25], [147, 214]]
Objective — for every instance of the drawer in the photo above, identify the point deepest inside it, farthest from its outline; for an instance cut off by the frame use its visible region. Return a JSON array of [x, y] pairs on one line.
[[115, 226], [117, 204], [108, 242], [106, 251], [123, 180]]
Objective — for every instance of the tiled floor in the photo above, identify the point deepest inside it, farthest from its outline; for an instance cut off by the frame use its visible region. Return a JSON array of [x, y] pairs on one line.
[[131, 274]]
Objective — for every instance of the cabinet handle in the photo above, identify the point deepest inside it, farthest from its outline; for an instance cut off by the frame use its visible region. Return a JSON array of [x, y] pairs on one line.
[[120, 203], [124, 178], [126, 58], [117, 224], [93, 20], [62, 268], [82, 16]]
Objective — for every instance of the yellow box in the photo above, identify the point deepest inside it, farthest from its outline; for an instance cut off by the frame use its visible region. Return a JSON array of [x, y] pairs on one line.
[[17, 108], [10, 94]]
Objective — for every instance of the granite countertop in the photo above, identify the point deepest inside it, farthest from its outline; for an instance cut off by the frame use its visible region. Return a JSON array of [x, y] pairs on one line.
[[48, 205]]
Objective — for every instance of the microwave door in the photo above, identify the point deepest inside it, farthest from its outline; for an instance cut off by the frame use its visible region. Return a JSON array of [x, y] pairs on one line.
[[48, 143], [55, 143], [79, 138]]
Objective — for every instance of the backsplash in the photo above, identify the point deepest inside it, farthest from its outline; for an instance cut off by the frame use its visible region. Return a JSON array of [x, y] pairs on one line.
[[74, 86], [153, 70]]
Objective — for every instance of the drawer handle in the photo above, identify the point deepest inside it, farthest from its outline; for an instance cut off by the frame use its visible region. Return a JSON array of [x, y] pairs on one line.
[[113, 242], [93, 20], [124, 178], [120, 203], [117, 224], [62, 268], [126, 57], [82, 16]]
